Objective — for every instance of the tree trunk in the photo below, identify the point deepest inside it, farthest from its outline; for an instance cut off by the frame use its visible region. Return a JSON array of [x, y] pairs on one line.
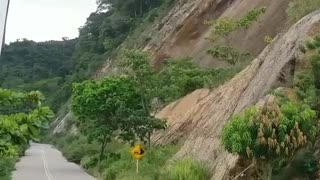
[[103, 147], [146, 108], [141, 10]]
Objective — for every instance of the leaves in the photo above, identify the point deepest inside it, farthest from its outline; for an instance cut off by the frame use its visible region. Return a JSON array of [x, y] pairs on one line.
[[275, 128], [18, 128]]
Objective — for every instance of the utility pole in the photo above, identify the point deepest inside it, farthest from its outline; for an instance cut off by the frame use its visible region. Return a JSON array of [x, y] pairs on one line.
[[4, 7]]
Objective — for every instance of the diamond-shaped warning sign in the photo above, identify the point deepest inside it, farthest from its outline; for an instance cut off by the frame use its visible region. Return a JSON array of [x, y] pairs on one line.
[[138, 152]]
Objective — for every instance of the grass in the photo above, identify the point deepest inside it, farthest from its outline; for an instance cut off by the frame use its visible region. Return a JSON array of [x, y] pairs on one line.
[[299, 8], [120, 165], [6, 168], [188, 169]]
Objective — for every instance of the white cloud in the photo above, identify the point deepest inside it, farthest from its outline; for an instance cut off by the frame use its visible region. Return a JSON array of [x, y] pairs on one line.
[[42, 20]]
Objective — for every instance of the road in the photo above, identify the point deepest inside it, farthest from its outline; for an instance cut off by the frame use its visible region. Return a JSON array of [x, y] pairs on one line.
[[43, 162]]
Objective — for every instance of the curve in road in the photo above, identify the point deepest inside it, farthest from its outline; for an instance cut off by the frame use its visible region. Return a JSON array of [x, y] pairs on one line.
[[43, 162]]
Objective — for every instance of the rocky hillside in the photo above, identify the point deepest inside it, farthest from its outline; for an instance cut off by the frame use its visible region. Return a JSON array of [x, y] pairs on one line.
[[196, 121], [183, 32]]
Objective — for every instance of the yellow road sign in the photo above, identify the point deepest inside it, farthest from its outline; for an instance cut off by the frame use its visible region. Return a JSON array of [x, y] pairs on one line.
[[138, 152]]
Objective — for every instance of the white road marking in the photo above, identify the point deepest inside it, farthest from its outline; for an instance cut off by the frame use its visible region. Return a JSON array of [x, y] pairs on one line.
[[45, 165]]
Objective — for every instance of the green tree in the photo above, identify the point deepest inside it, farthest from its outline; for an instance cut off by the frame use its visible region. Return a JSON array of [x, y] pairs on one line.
[[21, 119], [27, 65], [224, 27], [137, 66], [271, 133], [110, 107]]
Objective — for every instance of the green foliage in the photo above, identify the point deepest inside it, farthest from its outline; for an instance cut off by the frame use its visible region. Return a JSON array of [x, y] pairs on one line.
[[228, 54], [189, 169], [113, 104], [180, 77], [27, 66], [315, 62], [299, 8], [79, 148], [272, 127], [271, 133], [18, 126], [303, 166], [310, 45], [225, 26], [251, 17], [174, 80], [6, 166], [152, 166], [119, 163], [21, 118]]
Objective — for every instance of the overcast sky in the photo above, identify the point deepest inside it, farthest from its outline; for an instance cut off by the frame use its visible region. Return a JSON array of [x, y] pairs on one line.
[[42, 20]]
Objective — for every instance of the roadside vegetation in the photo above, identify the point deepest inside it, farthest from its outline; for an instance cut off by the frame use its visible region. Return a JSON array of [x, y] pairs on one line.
[[299, 8], [117, 112], [107, 131], [21, 119], [280, 138]]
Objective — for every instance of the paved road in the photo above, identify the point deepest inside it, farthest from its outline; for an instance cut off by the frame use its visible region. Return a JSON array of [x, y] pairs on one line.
[[42, 162]]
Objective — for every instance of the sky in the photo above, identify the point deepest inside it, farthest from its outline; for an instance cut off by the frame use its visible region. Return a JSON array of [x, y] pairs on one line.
[[42, 20]]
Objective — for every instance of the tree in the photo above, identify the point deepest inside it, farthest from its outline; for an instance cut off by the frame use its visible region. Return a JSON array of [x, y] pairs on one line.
[[227, 54], [22, 122], [223, 27], [110, 107], [273, 132], [137, 66], [27, 65]]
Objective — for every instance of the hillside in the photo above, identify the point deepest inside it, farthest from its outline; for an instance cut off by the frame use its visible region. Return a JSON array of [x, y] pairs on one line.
[[171, 74], [27, 65], [200, 117]]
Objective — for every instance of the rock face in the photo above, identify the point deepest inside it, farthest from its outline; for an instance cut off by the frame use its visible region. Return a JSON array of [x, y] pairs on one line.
[[197, 120], [183, 31]]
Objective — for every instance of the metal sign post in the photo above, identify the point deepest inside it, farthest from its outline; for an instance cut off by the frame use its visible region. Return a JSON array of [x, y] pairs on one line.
[[138, 152]]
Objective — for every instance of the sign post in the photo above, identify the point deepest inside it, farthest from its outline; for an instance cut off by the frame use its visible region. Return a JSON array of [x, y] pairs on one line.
[[137, 166], [138, 152]]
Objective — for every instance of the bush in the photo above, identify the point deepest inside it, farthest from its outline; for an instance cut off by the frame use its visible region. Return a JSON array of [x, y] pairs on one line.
[[79, 148], [123, 166], [315, 62], [310, 45], [271, 133], [188, 169], [299, 8], [89, 161], [6, 167]]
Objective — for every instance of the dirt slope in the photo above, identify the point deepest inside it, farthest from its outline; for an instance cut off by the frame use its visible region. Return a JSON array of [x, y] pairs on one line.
[[183, 32], [197, 120]]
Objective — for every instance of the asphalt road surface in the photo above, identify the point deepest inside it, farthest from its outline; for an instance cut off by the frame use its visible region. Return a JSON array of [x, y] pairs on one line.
[[43, 162]]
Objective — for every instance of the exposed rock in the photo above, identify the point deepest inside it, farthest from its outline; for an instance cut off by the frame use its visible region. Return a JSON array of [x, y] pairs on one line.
[[62, 124], [183, 31], [200, 117]]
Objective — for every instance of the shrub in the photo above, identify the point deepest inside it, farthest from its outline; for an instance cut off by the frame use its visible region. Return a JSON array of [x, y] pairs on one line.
[[189, 169], [315, 62], [123, 166], [310, 45], [271, 133], [79, 148], [6, 167], [299, 8]]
